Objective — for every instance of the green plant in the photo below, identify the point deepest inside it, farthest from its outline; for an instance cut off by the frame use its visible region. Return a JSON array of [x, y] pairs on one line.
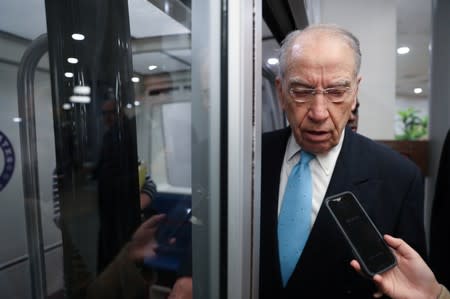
[[414, 126]]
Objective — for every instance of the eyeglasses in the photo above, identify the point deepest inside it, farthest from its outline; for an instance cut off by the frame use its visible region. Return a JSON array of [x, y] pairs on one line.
[[305, 95]]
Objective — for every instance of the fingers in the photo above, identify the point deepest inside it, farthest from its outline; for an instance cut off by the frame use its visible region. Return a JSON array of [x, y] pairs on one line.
[[377, 278], [153, 221], [355, 265], [400, 246], [149, 226], [392, 242], [378, 294]]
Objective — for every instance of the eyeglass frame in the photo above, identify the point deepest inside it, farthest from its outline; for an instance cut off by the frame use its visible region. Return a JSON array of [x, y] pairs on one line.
[[314, 91]]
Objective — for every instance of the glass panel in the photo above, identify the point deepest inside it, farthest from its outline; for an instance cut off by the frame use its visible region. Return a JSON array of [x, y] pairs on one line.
[[114, 132], [14, 274]]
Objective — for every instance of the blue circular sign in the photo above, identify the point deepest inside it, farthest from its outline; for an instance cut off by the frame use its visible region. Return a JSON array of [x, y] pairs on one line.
[[9, 160]]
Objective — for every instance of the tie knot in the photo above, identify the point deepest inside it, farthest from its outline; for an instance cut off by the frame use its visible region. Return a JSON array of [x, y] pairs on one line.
[[305, 157]]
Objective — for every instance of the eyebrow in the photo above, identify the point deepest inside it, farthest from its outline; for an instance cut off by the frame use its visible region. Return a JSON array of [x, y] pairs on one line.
[[299, 82], [345, 83]]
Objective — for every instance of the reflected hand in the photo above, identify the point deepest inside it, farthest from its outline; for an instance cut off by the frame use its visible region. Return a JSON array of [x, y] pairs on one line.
[[145, 200], [411, 278], [182, 289], [143, 243]]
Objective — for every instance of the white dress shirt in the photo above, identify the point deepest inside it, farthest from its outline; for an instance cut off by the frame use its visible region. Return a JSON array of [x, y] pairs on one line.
[[322, 167]]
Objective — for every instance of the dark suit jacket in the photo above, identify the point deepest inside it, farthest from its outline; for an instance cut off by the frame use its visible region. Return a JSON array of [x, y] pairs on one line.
[[440, 220], [390, 188]]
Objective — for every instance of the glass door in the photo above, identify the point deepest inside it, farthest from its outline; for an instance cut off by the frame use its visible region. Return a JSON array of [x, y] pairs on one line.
[[112, 113]]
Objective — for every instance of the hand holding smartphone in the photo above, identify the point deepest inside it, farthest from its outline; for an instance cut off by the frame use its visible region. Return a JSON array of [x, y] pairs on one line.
[[368, 245], [169, 229]]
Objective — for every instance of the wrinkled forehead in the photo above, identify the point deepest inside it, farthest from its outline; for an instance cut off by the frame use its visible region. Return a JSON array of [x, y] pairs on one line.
[[321, 49]]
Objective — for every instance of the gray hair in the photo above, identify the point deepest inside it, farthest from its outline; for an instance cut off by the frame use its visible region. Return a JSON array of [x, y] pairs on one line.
[[351, 40]]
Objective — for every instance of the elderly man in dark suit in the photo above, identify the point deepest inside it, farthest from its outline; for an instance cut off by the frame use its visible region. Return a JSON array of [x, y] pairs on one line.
[[317, 88]]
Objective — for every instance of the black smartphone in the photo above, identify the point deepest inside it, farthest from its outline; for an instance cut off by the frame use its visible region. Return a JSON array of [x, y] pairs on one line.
[[368, 245], [170, 228]]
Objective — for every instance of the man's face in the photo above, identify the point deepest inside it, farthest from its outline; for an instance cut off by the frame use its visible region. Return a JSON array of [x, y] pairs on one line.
[[109, 113], [320, 61]]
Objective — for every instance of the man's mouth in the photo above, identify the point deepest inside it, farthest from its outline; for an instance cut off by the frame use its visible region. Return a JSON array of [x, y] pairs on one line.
[[316, 135]]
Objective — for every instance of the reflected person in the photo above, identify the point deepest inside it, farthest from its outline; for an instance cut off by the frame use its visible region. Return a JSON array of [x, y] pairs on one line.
[[126, 276], [117, 181]]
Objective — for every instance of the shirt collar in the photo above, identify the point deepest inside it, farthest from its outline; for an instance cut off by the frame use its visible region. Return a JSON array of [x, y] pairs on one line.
[[327, 161]]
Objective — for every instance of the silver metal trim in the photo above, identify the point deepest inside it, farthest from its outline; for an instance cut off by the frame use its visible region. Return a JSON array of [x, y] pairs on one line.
[[25, 92], [244, 129]]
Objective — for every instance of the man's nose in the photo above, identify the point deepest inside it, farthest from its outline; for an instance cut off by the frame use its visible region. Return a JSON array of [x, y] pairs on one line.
[[318, 109]]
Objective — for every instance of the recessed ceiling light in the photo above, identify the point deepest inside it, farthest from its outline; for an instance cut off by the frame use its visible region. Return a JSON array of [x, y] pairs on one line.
[[80, 99], [129, 106], [135, 79], [403, 50], [418, 90], [78, 36], [272, 61], [72, 60], [152, 67], [17, 119], [68, 74], [137, 103], [82, 90], [66, 106]]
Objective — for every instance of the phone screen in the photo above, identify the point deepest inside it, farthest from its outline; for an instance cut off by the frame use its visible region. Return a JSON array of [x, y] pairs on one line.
[[367, 243]]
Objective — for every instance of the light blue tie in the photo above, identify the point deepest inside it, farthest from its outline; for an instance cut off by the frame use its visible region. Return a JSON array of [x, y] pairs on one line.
[[294, 221]]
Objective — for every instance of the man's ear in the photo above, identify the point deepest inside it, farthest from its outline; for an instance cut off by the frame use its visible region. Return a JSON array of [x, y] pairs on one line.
[[279, 88], [355, 99], [358, 81]]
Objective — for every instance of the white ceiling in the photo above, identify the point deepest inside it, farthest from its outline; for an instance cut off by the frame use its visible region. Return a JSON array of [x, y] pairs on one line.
[[145, 21], [141, 11], [414, 31], [13, 20], [413, 22]]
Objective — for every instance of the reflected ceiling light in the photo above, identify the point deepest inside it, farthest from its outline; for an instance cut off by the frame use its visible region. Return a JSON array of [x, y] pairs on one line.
[[67, 106], [418, 90], [80, 99], [78, 36], [82, 90], [166, 7], [68, 74], [135, 79], [129, 106], [72, 60], [17, 119], [152, 67], [137, 103], [272, 61], [403, 50]]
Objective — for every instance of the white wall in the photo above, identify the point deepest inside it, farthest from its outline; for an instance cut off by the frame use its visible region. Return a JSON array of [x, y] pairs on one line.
[[14, 282], [374, 23]]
